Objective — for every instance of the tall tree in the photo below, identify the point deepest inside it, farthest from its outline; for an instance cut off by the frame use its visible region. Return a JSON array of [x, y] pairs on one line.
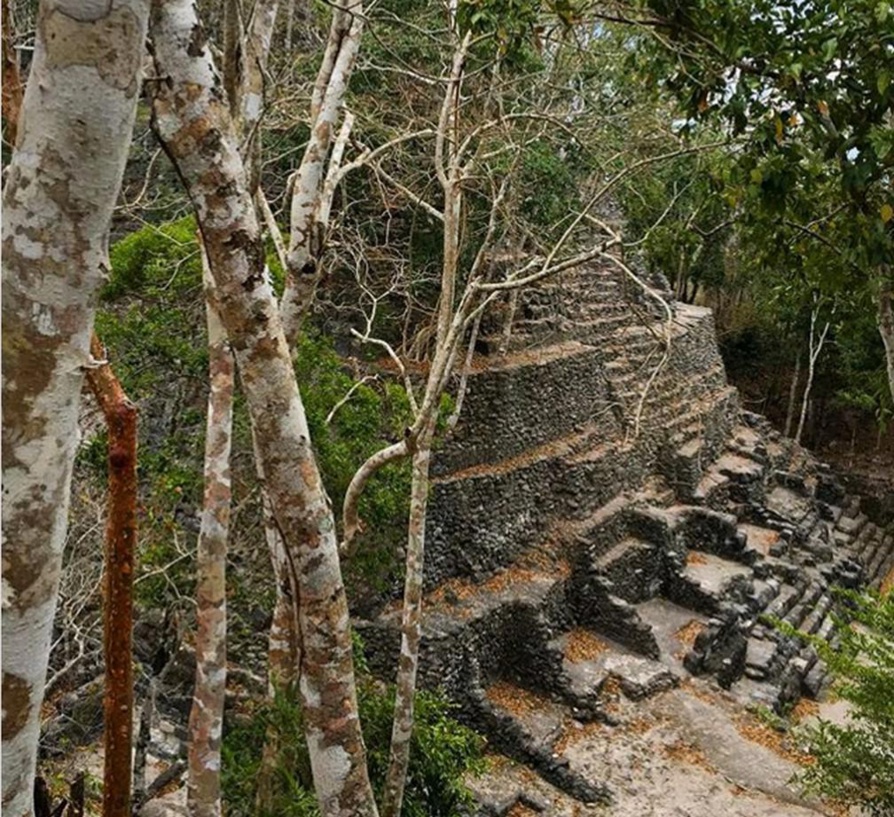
[[810, 88], [206, 715], [196, 130], [75, 127]]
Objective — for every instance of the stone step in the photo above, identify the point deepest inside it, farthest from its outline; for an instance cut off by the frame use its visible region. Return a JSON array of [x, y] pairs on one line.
[[525, 725], [873, 540], [851, 525], [884, 579], [788, 597], [800, 611], [633, 567], [864, 544], [760, 657], [876, 568], [815, 619]]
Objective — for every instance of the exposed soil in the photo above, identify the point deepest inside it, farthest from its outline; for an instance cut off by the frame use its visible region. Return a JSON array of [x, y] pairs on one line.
[[687, 752]]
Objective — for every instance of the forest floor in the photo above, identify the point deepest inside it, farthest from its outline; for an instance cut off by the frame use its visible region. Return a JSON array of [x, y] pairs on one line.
[[693, 751]]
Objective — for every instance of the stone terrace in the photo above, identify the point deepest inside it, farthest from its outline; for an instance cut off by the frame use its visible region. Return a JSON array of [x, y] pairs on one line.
[[606, 520]]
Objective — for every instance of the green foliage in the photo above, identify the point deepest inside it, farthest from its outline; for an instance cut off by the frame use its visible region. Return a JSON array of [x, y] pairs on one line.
[[678, 219], [152, 322], [548, 185], [806, 92], [368, 421], [442, 752], [855, 761], [511, 23]]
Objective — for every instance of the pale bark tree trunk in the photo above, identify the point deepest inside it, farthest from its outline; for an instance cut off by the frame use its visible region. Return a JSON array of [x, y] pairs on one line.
[[814, 350], [206, 715], [411, 629], [449, 174], [886, 322], [327, 103], [231, 60], [74, 132], [198, 135], [283, 649], [793, 396], [256, 50], [309, 217]]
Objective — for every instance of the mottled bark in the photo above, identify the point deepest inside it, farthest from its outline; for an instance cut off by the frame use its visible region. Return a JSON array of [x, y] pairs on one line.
[[411, 629], [206, 715], [75, 128], [350, 511], [307, 225], [231, 61], [886, 321], [120, 546], [257, 49], [196, 130], [283, 650]]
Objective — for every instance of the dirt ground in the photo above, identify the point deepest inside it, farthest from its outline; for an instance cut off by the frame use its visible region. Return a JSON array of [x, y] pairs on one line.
[[688, 752]]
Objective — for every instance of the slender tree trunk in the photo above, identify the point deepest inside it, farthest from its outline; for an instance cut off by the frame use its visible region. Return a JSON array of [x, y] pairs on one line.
[[121, 539], [256, 52], [232, 58], [283, 649], [449, 175], [411, 629], [816, 346], [206, 715], [793, 396], [63, 180], [306, 238], [195, 128], [886, 322]]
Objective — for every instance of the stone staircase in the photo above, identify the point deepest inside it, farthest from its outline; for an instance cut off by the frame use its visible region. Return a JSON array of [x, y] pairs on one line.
[[574, 557]]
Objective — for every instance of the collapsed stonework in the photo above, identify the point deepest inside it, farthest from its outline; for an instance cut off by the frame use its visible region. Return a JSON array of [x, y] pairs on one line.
[[604, 488]]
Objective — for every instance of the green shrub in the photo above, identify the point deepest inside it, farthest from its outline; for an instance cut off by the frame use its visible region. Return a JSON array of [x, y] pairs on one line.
[[152, 321], [442, 752], [855, 760]]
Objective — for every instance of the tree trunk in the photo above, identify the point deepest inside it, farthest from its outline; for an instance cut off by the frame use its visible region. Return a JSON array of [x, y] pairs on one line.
[[793, 397], [283, 650], [206, 715], [121, 539], [411, 628], [886, 322], [63, 180], [816, 346], [306, 228], [256, 50], [196, 130]]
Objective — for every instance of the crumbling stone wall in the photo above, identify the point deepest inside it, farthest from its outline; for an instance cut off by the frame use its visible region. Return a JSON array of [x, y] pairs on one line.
[[555, 431]]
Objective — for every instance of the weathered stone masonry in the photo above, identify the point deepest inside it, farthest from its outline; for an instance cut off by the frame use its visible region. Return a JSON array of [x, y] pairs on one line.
[[554, 512]]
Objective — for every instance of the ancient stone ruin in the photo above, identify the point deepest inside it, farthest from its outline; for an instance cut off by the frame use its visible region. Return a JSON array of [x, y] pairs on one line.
[[607, 516]]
